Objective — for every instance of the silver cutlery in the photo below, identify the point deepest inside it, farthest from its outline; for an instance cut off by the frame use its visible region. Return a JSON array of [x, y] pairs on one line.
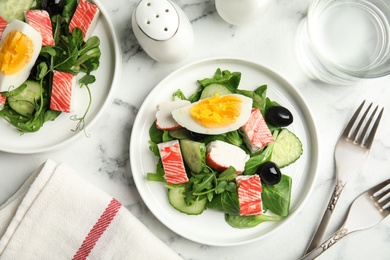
[[350, 153], [366, 211]]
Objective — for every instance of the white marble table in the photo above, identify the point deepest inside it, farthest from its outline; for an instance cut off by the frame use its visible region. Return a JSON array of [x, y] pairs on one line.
[[103, 158]]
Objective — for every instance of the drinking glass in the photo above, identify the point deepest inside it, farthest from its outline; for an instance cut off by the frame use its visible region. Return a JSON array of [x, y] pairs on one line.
[[343, 41]]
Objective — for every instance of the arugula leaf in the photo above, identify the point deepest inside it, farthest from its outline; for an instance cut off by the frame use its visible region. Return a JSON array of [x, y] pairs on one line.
[[202, 183], [88, 56], [77, 39], [91, 44], [200, 186], [69, 10], [229, 174], [66, 55], [72, 55], [223, 186]]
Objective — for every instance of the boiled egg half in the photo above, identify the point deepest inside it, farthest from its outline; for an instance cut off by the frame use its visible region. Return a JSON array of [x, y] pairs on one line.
[[20, 46], [215, 115]]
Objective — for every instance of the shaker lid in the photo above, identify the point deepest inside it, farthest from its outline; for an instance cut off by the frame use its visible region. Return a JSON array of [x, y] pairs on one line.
[[158, 19]]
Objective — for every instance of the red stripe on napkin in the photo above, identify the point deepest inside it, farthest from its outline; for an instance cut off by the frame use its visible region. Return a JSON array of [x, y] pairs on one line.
[[97, 230]]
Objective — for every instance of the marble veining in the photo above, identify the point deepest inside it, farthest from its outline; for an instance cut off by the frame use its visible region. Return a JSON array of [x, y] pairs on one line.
[[103, 158]]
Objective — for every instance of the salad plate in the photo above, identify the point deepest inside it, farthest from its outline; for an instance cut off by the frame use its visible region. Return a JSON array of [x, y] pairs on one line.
[[57, 133], [210, 227]]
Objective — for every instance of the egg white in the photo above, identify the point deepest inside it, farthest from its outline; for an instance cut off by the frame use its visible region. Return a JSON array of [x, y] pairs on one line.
[[9, 82], [183, 117]]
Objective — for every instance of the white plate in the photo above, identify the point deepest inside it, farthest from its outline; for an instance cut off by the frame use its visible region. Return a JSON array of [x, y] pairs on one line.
[[210, 227], [55, 134]]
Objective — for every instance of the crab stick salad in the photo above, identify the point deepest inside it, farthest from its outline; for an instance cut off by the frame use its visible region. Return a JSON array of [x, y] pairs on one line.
[[36, 44], [224, 149]]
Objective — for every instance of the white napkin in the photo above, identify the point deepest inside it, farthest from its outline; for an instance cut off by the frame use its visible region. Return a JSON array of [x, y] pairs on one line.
[[58, 215]]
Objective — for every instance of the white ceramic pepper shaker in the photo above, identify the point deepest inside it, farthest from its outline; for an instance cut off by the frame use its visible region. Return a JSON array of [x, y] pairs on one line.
[[163, 30], [238, 12]]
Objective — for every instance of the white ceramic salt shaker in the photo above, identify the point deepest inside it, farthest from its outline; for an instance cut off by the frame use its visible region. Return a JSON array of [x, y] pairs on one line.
[[163, 30], [239, 12]]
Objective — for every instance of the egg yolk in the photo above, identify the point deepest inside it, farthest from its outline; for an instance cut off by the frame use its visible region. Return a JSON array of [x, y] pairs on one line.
[[15, 52], [217, 111]]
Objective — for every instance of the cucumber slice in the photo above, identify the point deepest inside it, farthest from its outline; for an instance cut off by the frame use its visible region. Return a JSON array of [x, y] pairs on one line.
[[212, 89], [287, 148], [176, 199], [14, 9], [194, 154], [23, 102]]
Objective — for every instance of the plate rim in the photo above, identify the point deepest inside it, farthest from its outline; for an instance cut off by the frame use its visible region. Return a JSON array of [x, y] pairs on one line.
[[115, 78], [313, 136]]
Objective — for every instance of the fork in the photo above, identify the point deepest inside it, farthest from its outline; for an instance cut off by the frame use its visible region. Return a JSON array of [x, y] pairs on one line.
[[366, 211], [350, 153]]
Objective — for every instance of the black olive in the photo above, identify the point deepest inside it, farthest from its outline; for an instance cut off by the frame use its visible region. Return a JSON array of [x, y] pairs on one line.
[[269, 173], [53, 6], [279, 116]]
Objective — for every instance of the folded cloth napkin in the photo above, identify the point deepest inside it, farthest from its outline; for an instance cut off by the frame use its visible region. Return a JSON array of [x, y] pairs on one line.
[[56, 214]]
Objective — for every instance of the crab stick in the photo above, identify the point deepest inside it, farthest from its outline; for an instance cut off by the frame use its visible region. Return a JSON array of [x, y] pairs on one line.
[[173, 164], [220, 155], [249, 195], [61, 94], [164, 118], [3, 24], [256, 132], [2, 101], [85, 18], [40, 21]]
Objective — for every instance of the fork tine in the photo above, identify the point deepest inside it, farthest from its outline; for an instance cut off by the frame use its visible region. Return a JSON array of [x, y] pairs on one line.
[[379, 187], [383, 204], [370, 138], [353, 137], [352, 121], [363, 133], [382, 194]]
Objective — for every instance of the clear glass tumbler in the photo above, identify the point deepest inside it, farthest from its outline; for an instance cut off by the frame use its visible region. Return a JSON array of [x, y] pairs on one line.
[[342, 41]]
